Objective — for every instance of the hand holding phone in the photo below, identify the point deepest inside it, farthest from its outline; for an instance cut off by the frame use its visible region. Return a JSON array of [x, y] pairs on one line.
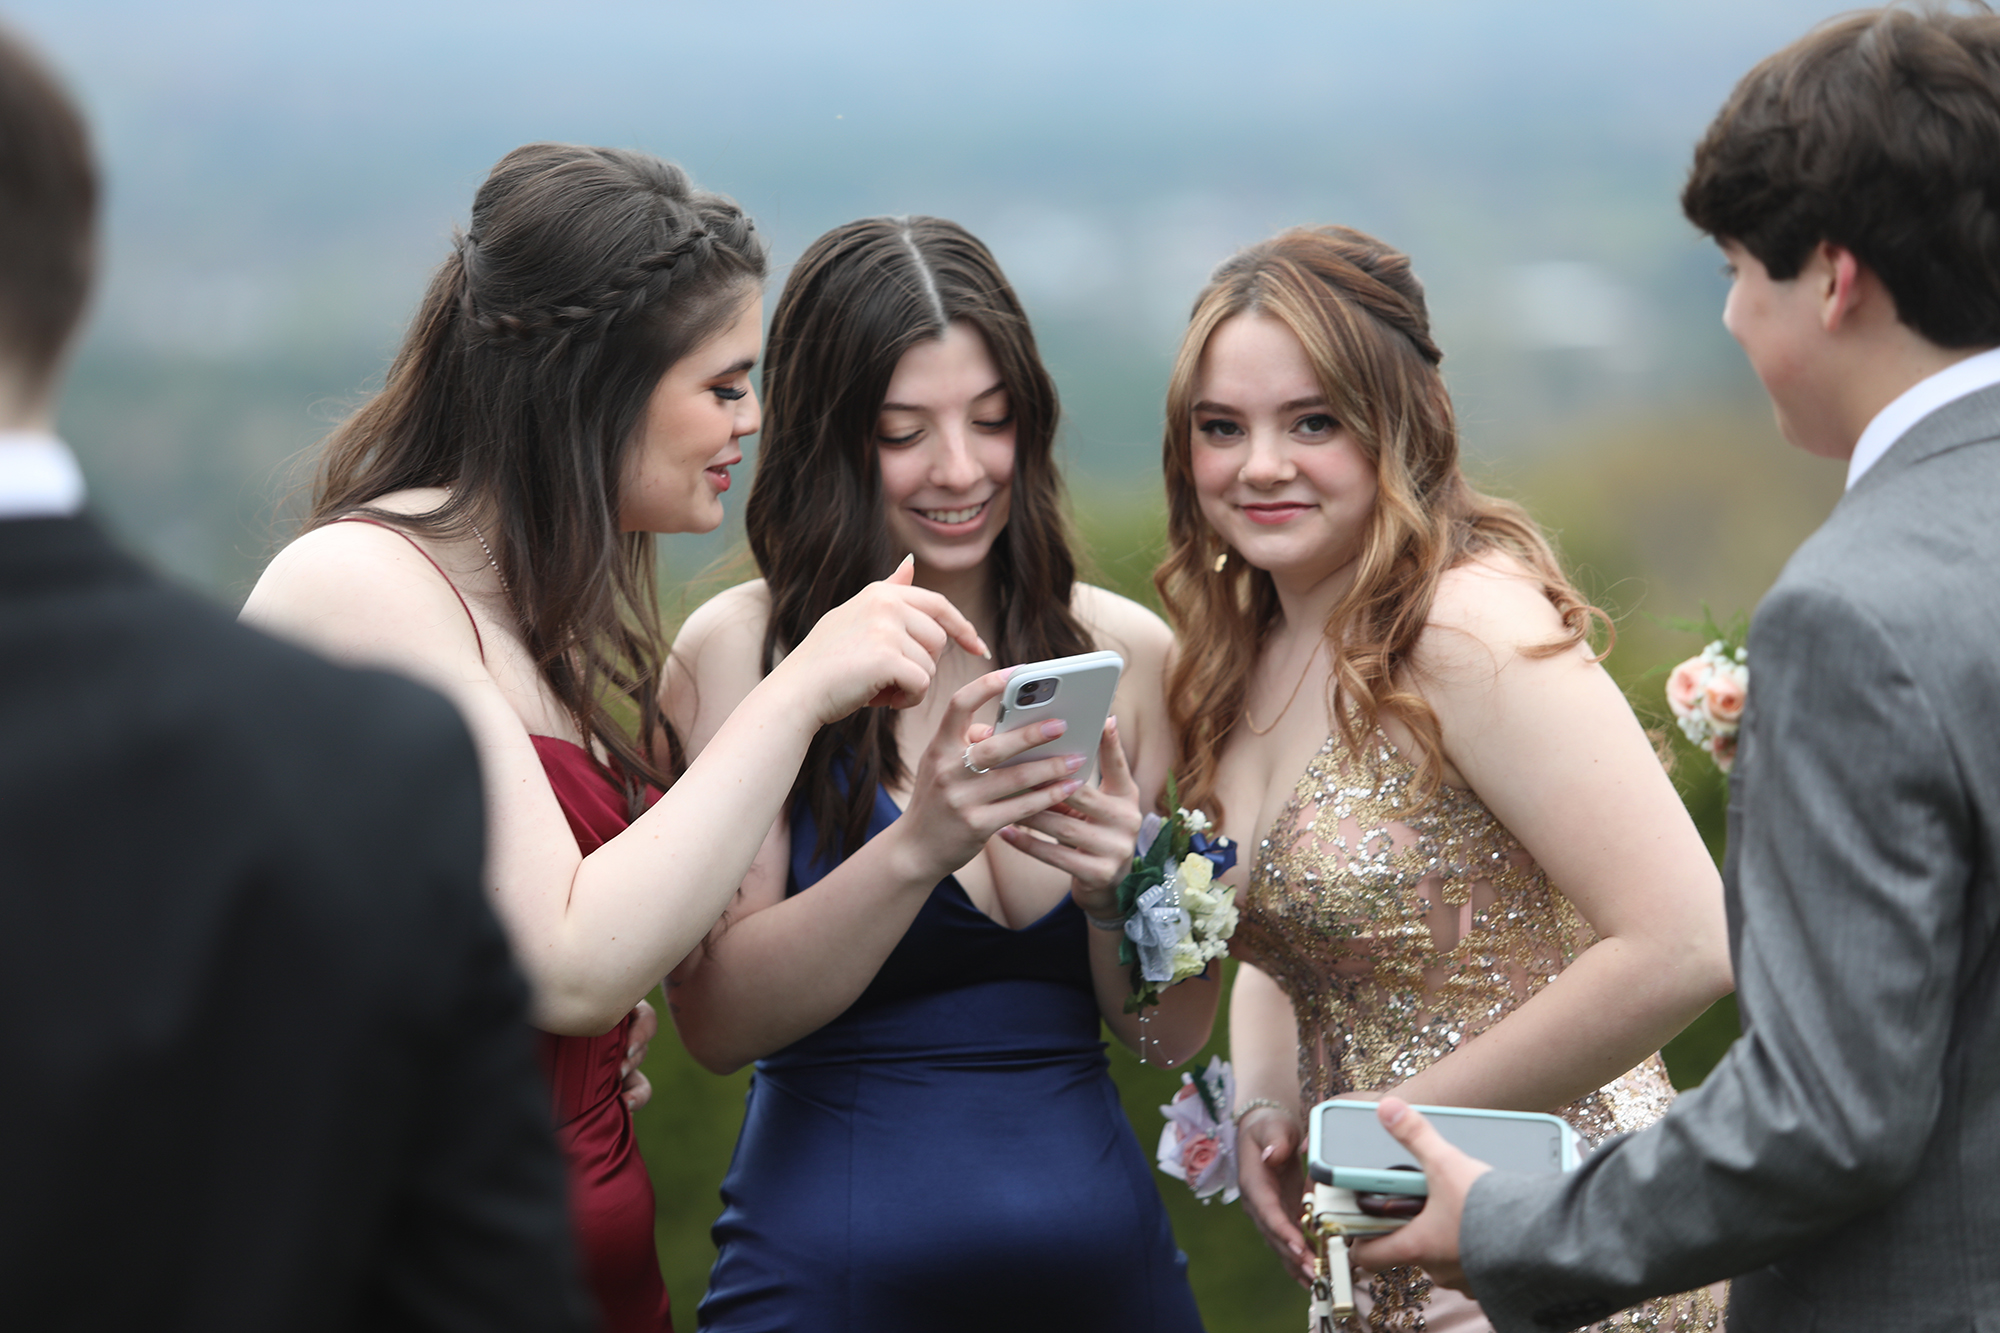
[[1349, 1149]]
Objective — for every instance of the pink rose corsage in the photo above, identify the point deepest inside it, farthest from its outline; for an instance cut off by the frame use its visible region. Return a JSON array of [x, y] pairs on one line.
[[1198, 1144]]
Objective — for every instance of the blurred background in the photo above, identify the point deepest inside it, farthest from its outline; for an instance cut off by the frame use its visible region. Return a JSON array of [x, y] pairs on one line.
[[282, 177]]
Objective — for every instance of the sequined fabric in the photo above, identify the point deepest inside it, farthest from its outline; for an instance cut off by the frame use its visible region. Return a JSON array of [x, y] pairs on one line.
[[1399, 933]]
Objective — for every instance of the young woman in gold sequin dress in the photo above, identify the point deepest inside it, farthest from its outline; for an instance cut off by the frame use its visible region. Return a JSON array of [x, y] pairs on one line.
[[1471, 881]]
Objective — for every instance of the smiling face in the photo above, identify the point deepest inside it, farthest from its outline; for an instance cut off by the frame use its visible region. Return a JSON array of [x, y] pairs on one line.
[[945, 443], [678, 466], [1277, 477]]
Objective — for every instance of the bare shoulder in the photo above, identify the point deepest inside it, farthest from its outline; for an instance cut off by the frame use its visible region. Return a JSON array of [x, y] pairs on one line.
[[727, 630], [1489, 610], [717, 659], [361, 592], [1144, 641], [1122, 625]]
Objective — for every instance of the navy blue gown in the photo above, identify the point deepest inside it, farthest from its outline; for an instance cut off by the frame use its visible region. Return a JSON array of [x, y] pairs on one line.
[[950, 1152]]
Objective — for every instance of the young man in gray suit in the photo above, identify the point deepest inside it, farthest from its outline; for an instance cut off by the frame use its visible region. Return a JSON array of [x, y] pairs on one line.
[[264, 1050], [1842, 1163]]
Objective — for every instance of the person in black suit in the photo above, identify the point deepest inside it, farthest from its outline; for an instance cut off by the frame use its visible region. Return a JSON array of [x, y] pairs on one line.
[[262, 1041]]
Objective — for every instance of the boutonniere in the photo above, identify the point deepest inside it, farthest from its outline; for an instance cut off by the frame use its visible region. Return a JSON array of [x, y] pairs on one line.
[[1178, 918], [1708, 691]]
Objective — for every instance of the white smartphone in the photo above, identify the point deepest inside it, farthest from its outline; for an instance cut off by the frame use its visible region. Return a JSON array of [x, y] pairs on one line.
[[1348, 1148], [1076, 689]]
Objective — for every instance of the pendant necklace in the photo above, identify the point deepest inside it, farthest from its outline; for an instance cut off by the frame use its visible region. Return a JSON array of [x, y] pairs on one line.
[[1256, 730]]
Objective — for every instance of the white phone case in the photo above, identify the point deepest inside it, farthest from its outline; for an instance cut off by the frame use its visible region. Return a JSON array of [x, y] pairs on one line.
[[1076, 689]]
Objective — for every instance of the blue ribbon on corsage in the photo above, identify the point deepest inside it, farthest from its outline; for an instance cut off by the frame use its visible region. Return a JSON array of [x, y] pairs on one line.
[[1155, 927], [1221, 852]]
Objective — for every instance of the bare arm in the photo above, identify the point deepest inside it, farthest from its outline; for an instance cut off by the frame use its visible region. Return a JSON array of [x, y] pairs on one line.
[[1552, 747], [780, 967], [1264, 1052], [594, 933]]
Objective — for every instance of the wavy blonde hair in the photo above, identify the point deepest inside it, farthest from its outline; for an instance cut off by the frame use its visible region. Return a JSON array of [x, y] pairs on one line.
[[1359, 313]]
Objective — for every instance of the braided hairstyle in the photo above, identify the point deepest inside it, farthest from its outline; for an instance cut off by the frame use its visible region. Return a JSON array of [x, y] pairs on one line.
[[520, 386], [1359, 313]]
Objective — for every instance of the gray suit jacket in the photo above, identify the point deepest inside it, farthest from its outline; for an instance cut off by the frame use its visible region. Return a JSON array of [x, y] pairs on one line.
[[1844, 1157]]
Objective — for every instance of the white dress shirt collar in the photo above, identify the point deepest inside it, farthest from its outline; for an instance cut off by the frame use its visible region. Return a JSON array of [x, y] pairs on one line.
[[1918, 401], [38, 477]]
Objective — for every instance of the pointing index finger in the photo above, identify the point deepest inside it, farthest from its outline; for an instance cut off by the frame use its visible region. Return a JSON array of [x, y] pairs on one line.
[[950, 619]]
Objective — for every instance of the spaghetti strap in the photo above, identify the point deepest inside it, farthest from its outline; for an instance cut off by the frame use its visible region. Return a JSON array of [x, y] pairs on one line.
[[363, 518]]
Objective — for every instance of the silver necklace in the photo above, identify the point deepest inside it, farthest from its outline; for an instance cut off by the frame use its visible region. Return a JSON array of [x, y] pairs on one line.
[[505, 591]]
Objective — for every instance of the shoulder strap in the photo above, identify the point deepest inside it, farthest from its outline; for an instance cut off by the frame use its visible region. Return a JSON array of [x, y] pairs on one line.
[[391, 527]]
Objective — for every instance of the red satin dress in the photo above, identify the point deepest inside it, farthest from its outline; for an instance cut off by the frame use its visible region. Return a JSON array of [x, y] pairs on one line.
[[611, 1198], [610, 1195]]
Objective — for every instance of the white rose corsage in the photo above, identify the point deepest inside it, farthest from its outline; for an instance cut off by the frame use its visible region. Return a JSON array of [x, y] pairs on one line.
[[1178, 918]]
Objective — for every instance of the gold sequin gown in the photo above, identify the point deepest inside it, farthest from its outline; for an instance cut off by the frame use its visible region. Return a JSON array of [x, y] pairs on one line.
[[1399, 933]]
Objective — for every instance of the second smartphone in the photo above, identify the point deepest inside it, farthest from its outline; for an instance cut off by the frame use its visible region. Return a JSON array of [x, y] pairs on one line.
[[1348, 1147]]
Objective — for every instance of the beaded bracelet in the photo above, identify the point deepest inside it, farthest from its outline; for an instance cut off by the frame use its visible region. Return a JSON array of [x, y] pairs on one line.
[[1116, 923], [1258, 1104]]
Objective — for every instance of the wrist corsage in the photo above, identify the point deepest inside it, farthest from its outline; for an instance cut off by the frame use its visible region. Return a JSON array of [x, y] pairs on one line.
[[1177, 917], [1707, 692], [1198, 1144]]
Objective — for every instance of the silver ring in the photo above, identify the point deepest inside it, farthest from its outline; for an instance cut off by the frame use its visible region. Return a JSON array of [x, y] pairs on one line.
[[972, 766]]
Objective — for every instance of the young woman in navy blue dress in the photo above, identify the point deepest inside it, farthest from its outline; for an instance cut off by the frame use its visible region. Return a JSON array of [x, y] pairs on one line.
[[932, 1139]]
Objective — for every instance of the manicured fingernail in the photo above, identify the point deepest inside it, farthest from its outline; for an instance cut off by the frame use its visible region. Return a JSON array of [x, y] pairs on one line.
[[1074, 761], [1268, 1151], [984, 651], [1054, 727]]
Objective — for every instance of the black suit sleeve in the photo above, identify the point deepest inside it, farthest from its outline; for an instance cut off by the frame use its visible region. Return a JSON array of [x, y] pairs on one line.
[[479, 1238]]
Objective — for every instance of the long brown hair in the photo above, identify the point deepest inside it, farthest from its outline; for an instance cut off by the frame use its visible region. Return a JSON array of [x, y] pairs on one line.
[[1359, 313], [584, 275], [860, 297]]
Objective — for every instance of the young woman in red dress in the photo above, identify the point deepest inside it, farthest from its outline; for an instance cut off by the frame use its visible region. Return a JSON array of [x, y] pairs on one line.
[[576, 380]]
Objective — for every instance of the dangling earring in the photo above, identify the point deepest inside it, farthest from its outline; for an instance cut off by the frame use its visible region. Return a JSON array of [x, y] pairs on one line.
[[1221, 561]]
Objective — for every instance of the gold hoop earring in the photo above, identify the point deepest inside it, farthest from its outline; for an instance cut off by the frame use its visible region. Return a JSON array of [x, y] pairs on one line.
[[1221, 561]]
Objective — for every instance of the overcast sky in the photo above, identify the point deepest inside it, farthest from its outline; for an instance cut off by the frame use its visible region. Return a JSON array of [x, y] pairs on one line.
[[283, 175]]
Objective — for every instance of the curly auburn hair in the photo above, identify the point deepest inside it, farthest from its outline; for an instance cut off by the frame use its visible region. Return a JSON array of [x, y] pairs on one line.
[[1360, 316]]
